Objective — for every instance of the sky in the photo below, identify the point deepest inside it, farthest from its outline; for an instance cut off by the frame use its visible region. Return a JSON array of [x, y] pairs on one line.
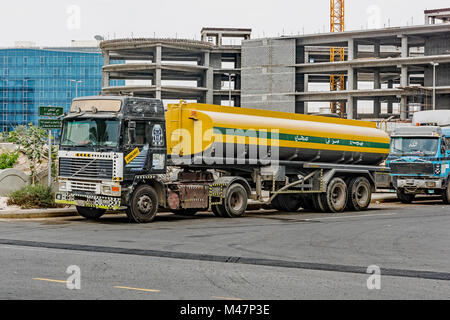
[[57, 22]]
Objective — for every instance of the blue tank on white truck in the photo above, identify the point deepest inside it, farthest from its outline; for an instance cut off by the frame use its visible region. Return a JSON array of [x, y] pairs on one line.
[[420, 156]]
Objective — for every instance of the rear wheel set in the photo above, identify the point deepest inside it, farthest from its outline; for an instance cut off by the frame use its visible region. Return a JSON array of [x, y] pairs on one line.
[[234, 204]]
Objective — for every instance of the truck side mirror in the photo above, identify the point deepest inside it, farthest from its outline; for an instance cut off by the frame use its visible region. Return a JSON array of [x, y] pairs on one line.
[[131, 132]]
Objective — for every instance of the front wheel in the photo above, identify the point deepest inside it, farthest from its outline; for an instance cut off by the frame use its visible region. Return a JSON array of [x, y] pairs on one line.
[[143, 205], [405, 198], [91, 213]]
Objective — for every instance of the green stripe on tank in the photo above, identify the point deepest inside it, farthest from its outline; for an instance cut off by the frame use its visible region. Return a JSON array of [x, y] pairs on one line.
[[302, 138]]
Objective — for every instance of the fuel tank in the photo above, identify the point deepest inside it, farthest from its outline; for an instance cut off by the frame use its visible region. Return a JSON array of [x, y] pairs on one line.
[[207, 130]]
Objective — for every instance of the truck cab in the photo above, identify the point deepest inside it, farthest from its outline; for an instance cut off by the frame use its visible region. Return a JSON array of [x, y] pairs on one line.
[[420, 161], [109, 145]]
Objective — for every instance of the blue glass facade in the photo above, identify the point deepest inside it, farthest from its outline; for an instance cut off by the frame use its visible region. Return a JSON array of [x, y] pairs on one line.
[[30, 78]]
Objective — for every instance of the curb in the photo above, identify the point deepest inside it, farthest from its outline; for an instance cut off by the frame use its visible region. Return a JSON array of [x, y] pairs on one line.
[[38, 213]]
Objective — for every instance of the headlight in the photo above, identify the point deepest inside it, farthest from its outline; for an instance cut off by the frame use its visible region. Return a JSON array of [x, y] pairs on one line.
[[111, 190], [431, 184], [62, 186], [106, 190]]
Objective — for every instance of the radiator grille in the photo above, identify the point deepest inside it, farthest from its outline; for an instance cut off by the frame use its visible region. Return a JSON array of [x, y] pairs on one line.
[[82, 186], [86, 168], [411, 168]]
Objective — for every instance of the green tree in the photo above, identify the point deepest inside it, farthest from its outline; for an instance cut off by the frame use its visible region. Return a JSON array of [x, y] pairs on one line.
[[32, 142]]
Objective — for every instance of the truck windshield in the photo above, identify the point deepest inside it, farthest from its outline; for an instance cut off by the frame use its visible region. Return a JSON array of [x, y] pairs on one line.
[[414, 146], [90, 132]]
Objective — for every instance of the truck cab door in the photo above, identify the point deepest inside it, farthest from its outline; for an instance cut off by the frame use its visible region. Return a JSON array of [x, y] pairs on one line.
[[144, 148]]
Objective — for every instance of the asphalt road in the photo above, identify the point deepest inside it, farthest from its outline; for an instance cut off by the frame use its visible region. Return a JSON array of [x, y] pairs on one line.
[[266, 255]]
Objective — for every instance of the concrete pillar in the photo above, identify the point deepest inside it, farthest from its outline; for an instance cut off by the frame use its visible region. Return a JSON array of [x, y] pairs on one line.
[[306, 84], [351, 106], [209, 79], [376, 49], [377, 101], [105, 75], [404, 81], [352, 79], [219, 39], [405, 47], [390, 108], [158, 59], [352, 49]]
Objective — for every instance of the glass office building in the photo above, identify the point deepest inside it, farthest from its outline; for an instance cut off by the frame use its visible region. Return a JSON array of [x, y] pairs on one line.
[[30, 78]]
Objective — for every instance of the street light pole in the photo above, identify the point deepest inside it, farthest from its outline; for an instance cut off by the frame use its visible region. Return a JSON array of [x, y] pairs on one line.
[[76, 86]]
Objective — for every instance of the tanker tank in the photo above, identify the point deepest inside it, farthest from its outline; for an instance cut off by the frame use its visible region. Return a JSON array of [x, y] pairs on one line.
[[199, 129]]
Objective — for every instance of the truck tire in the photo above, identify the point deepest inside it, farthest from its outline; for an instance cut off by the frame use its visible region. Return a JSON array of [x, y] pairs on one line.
[[91, 213], [335, 199], [216, 211], [235, 202], [287, 202], [276, 204], [405, 198], [446, 194], [186, 212], [143, 205], [359, 194], [307, 203], [318, 203]]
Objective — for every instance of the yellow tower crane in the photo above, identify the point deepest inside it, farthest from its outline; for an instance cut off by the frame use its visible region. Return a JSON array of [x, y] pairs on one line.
[[337, 24]]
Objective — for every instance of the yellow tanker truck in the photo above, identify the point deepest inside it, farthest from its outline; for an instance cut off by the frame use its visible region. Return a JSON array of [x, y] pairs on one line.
[[115, 151]]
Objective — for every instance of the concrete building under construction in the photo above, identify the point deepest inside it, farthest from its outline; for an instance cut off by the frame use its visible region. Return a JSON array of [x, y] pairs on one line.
[[389, 73], [206, 71], [400, 63]]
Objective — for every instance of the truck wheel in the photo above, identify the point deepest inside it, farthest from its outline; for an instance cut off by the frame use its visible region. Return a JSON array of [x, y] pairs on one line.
[[290, 202], [235, 202], [186, 212], [335, 199], [276, 204], [307, 203], [359, 194], [446, 195], [404, 197], [215, 209], [90, 213], [143, 205], [318, 203], [287, 202]]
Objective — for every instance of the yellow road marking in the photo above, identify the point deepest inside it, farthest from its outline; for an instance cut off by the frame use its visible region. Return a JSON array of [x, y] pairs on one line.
[[226, 298], [50, 280], [137, 289]]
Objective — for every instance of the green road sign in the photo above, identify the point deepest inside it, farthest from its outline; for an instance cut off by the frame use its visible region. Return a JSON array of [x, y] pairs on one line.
[[49, 124], [50, 111]]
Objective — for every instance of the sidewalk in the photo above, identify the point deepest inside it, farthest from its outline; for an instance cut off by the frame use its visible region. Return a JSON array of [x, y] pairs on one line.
[[17, 213]]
